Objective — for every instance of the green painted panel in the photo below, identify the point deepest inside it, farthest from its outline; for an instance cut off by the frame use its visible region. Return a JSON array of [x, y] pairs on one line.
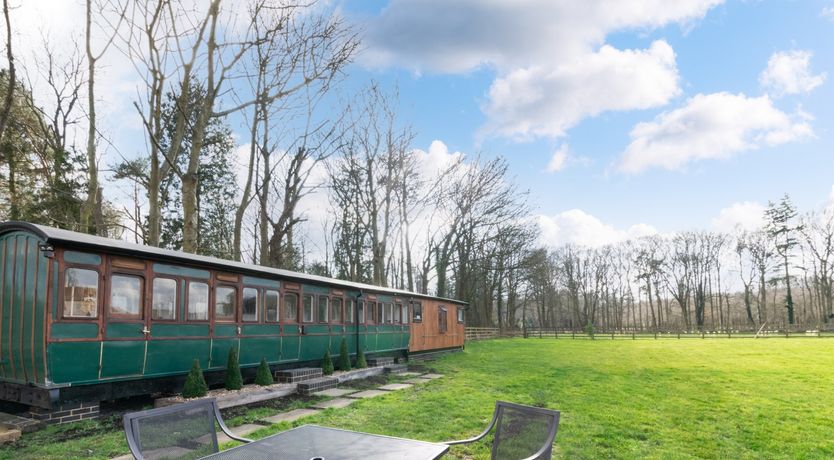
[[74, 330], [260, 329], [75, 257], [261, 282], [252, 350], [28, 310], [6, 294], [174, 270], [122, 358], [313, 346], [175, 356], [311, 289], [290, 347], [179, 330], [384, 298], [124, 330], [225, 330], [40, 315], [56, 302], [16, 307], [73, 361], [220, 352], [289, 329]]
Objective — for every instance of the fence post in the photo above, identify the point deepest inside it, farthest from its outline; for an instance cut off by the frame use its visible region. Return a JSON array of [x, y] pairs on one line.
[[572, 334], [679, 335], [555, 333], [633, 337]]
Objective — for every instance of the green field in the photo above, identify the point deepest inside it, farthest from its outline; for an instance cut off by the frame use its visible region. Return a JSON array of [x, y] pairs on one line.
[[718, 398]]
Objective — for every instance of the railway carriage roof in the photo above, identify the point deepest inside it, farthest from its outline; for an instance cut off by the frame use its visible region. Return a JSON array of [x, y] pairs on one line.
[[82, 240]]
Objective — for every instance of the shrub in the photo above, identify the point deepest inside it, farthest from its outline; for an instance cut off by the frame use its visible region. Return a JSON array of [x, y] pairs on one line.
[[360, 360], [344, 357], [195, 383], [234, 381], [326, 363], [264, 375]]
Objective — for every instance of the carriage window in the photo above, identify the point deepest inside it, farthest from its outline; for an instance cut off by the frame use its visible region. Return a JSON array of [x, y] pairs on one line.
[[225, 303], [336, 308], [164, 302], [349, 311], [198, 294], [80, 293], [442, 323], [250, 304], [405, 314], [460, 315], [371, 306], [418, 313], [271, 305], [126, 296], [360, 311], [380, 316], [290, 307], [398, 308], [308, 309], [387, 311], [322, 310]]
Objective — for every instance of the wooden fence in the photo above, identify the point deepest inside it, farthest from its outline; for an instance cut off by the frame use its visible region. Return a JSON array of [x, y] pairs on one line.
[[483, 333]]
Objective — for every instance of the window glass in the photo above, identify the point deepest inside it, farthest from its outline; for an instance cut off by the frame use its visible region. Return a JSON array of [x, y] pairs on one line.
[[371, 306], [308, 308], [398, 308], [198, 294], [321, 314], [380, 317], [164, 302], [360, 311], [442, 323], [460, 314], [250, 304], [271, 305], [80, 293], [387, 312], [336, 309], [418, 312], [290, 307], [349, 318], [126, 296], [225, 298], [405, 314]]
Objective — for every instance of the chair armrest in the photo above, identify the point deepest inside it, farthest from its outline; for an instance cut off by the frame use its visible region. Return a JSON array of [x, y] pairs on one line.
[[476, 438], [226, 429]]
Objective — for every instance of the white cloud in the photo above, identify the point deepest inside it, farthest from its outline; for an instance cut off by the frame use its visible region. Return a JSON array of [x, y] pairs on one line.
[[788, 72], [559, 159], [553, 67], [710, 126], [545, 101], [746, 215], [828, 12], [575, 226]]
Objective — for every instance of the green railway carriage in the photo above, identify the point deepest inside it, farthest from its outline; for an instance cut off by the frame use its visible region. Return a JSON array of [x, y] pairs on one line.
[[89, 318]]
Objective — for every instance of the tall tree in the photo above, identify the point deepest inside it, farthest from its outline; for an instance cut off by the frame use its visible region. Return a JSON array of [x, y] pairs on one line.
[[781, 229], [8, 98]]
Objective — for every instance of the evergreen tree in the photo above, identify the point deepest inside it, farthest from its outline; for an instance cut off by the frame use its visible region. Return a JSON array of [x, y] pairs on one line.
[[360, 360], [782, 231], [344, 357], [326, 363], [195, 384], [264, 375], [234, 380]]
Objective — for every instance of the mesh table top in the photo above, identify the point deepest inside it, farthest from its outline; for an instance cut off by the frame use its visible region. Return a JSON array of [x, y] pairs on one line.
[[311, 441]]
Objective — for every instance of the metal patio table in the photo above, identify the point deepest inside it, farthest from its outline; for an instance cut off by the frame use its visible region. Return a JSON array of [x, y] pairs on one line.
[[311, 441]]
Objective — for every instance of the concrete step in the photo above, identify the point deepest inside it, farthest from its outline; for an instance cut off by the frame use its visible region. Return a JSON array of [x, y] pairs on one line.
[[298, 375], [395, 368], [308, 387], [380, 361]]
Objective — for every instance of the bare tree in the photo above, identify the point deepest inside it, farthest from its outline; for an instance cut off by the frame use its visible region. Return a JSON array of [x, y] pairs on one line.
[[9, 97]]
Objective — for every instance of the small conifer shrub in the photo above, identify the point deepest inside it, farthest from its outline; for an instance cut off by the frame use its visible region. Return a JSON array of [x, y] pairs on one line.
[[234, 380], [360, 361], [195, 383], [326, 363], [344, 357], [264, 375]]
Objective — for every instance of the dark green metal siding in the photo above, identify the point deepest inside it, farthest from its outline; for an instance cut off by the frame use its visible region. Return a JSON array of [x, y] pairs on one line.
[[23, 284]]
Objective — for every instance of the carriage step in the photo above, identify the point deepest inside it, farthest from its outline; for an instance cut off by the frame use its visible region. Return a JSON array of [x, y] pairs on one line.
[[375, 362], [298, 375], [395, 368], [308, 387]]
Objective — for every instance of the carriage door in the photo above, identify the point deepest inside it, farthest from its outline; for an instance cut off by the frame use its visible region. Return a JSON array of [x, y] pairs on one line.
[[127, 327]]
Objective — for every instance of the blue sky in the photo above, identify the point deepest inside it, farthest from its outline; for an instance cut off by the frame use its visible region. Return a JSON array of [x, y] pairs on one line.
[[726, 49]]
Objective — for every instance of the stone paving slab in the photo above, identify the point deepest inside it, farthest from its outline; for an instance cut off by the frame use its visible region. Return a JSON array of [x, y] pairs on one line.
[[291, 416], [335, 392], [337, 403], [242, 431], [395, 386], [23, 424], [431, 376], [409, 374], [367, 394], [417, 381]]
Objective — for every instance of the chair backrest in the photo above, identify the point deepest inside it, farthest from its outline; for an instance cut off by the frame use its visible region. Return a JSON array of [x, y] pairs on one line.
[[523, 431], [180, 431]]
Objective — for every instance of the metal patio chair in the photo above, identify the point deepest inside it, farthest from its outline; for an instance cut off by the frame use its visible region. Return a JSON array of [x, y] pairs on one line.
[[184, 430], [521, 432]]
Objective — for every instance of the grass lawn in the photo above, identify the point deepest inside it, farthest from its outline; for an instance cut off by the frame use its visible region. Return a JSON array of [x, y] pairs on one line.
[[692, 398]]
